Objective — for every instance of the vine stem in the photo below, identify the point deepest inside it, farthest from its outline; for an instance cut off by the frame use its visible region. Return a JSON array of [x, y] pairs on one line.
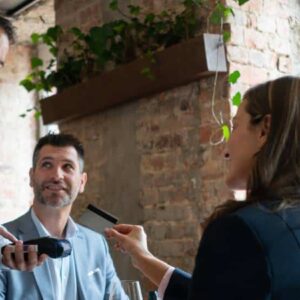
[[218, 120]]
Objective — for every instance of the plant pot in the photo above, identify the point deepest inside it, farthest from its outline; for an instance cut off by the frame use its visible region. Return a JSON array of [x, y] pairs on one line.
[[174, 66]]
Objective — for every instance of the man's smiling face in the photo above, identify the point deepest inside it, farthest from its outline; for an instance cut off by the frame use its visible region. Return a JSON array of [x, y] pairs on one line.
[[57, 179]]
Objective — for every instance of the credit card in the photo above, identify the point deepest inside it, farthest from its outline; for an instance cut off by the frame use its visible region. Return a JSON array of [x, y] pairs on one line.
[[97, 219]]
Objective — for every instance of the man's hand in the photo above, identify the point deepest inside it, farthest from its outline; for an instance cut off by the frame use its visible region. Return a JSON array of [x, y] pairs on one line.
[[13, 257]]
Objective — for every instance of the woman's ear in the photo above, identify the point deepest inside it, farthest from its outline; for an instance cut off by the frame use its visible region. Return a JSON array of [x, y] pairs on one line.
[[265, 128]]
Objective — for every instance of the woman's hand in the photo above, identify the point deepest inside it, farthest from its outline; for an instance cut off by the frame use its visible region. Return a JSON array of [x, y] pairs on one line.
[[130, 239]]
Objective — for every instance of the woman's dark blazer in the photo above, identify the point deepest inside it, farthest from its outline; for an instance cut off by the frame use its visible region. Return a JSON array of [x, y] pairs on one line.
[[252, 254]]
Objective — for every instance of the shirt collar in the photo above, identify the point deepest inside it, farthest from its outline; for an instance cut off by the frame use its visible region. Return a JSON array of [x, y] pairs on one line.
[[71, 227]]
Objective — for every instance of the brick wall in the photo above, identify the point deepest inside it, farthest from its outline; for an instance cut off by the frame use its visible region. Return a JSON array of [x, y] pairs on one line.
[[265, 40], [181, 174]]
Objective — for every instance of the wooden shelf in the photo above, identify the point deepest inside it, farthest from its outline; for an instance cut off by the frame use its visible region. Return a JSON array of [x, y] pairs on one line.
[[174, 66]]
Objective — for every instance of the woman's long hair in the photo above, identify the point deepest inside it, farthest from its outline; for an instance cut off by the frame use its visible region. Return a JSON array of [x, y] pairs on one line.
[[276, 171]]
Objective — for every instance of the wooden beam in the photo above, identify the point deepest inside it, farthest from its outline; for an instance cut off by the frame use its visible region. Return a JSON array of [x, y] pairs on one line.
[[174, 66]]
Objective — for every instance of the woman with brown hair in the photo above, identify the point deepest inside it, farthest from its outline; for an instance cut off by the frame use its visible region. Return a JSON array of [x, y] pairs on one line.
[[250, 249]]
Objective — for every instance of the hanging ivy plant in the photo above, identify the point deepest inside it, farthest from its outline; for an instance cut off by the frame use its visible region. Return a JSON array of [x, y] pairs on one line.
[[138, 34]]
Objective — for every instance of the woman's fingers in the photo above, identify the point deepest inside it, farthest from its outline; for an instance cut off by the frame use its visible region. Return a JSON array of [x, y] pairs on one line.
[[112, 233], [128, 238], [124, 228]]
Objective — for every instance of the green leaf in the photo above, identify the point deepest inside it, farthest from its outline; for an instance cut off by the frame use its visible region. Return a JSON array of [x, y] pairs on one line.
[[150, 56], [226, 36], [217, 14], [30, 76], [234, 76], [220, 12], [47, 39], [227, 11], [35, 37], [164, 14], [148, 73], [241, 2], [98, 40], [39, 86], [134, 10], [149, 18], [22, 115], [226, 132], [77, 32], [54, 32], [27, 84], [37, 115], [53, 51], [197, 2], [119, 27], [36, 62], [236, 99], [41, 74], [113, 5]]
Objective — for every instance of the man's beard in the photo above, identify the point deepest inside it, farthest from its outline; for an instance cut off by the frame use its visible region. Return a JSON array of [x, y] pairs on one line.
[[63, 201]]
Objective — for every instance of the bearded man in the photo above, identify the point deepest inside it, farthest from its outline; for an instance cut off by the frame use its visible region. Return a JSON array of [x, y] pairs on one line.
[[57, 177]]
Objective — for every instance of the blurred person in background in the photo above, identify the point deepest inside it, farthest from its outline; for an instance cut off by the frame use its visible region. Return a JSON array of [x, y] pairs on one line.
[[7, 37]]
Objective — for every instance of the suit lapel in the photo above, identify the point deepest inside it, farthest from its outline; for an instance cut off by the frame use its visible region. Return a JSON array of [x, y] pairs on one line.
[[42, 273], [44, 281], [79, 251]]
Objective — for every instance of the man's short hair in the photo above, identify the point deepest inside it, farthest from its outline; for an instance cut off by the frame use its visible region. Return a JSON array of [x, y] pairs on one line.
[[59, 140], [8, 28]]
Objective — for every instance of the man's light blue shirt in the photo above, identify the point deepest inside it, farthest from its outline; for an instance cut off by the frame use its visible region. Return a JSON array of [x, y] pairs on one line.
[[62, 269]]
